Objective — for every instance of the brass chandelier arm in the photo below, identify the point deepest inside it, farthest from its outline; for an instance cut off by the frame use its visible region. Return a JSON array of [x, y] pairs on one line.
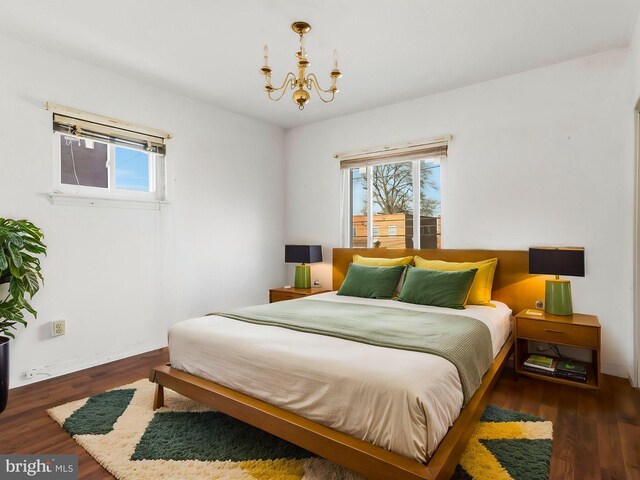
[[288, 82], [311, 78], [290, 77], [313, 82], [278, 97]]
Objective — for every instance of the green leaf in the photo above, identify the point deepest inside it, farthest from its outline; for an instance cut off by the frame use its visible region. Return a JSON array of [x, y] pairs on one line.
[[16, 288], [35, 249], [4, 263], [10, 310], [23, 322], [14, 270], [27, 306], [14, 255], [30, 282]]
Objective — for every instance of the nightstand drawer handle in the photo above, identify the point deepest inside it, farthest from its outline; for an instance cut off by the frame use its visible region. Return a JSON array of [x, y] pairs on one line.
[[553, 331]]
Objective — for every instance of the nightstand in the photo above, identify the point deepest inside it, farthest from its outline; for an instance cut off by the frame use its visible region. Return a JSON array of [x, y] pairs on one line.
[[280, 294], [577, 330]]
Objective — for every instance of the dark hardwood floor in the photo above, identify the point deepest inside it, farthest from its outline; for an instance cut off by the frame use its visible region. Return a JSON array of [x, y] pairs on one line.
[[596, 435]]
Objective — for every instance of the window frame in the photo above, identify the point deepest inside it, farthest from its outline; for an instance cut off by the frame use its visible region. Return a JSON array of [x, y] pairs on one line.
[[157, 175]]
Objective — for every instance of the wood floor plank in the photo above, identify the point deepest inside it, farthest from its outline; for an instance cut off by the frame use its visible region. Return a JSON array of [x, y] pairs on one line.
[[566, 432], [596, 436], [610, 459], [587, 448], [532, 398], [550, 404], [625, 405], [609, 440], [588, 405], [630, 439], [562, 470]]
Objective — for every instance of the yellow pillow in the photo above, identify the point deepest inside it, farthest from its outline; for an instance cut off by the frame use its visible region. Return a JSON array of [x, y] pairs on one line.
[[480, 293], [381, 262]]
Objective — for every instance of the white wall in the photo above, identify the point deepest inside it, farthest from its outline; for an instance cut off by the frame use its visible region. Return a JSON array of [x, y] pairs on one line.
[[119, 277], [634, 60], [541, 157]]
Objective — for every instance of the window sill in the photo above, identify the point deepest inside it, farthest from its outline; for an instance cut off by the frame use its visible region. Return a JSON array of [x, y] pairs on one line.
[[75, 200]]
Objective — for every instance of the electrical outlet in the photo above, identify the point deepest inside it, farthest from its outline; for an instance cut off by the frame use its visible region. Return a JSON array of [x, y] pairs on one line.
[[57, 328], [30, 373]]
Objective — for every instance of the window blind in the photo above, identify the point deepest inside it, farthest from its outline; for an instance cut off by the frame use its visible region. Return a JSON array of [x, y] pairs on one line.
[[432, 148], [96, 127]]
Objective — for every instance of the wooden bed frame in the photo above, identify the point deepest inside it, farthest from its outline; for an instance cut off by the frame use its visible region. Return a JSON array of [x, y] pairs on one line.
[[512, 285]]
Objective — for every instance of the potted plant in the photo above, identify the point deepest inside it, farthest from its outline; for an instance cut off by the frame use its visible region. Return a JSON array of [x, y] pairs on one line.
[[20, 245]]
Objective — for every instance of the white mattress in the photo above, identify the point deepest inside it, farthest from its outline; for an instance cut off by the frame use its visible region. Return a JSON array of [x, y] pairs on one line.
[[398, 400]]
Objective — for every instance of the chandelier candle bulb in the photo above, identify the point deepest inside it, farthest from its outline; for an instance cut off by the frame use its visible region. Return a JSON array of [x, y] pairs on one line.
[[335, 59], [266, 55]]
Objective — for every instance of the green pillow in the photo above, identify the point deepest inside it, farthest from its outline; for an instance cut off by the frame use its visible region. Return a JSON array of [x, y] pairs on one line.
[[436, 288], [371, 282]]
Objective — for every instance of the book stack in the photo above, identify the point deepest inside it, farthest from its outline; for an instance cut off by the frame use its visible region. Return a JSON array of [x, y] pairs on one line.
[[571, 370], [540, 364]]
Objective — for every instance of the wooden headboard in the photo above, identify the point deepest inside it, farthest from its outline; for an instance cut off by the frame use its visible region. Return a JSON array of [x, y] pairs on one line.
[[512, 283]]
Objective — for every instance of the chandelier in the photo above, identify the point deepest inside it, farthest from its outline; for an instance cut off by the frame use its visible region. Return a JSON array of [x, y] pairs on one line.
[[302, 84]]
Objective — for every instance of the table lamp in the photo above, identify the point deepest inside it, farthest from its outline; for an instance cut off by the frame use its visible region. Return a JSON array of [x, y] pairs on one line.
[[303, 254], [557, 261]]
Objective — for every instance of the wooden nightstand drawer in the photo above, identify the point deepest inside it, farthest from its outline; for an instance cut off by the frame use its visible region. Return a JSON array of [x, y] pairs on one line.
[[552, 332], [280, 296]]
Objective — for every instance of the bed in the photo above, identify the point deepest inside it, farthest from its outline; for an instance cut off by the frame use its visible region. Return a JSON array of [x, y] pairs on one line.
[[385, 413]]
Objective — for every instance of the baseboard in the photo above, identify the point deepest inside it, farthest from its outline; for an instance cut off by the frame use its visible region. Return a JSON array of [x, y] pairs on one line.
[[77, 364], [615, 370], [633, 380]]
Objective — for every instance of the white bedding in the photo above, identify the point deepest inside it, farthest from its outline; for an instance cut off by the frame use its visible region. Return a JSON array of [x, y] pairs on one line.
[[399, 400]]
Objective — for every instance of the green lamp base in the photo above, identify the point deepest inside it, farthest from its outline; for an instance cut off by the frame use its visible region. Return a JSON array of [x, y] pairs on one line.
[[557, 298], [303, 276]]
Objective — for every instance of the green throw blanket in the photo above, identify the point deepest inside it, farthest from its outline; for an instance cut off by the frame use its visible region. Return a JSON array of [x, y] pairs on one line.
[[464, 341]]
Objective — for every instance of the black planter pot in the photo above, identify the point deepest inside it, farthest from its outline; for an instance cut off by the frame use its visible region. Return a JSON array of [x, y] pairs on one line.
[[4, 372]]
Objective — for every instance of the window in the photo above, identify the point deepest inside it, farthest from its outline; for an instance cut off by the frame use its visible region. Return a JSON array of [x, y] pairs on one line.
[[94, 168], [396, 190], [94, 160]]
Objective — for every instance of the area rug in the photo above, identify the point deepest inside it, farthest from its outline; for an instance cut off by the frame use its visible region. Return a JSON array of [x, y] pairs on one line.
[[185, 440]]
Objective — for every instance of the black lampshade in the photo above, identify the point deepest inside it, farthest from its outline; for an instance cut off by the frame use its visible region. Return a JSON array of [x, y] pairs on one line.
[[557, 261], [302, 253]]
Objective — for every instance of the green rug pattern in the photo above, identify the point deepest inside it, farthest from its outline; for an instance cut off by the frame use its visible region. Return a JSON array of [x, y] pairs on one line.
[[185, 440]]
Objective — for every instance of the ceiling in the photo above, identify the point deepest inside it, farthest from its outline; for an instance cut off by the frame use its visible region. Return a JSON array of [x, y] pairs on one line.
[[389, 51]]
